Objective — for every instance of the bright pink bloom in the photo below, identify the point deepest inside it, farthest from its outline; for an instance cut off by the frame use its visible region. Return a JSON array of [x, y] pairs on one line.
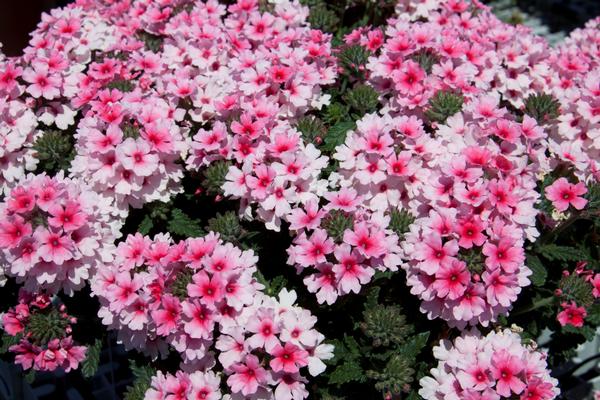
[[562, 194], [571, 315], [247, 377], [289, 358], [506, 370]]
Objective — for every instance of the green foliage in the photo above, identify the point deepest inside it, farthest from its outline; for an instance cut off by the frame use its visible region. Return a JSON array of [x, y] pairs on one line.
[[183, 225], [312, 128], [552, 251], [426, 58], [152, 42], [181, 282], [123, 85], [54, 150], [130, 131], [385, 325], [272, 286], [539, 273], [443, 105], [542, 107], [142, 377], [395, 377], [7, 341], [575, 288], [214, 177], [89, 366], [335, 113], [336, 135], [400, 221], [349, 371], [46, 325], [323, 18], [362, 99], [353, 59], [474, 259], [336, 222]]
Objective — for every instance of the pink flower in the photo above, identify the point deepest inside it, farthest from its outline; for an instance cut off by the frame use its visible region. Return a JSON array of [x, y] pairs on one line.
[[562, 194], [506, 369], [571, 315], [70, 217], [505, 255], [12, 231], [247, 377], [451, 280], [434, 254], [200, 320], [135, 156], [288, 358], [368, 242], [314, 249], [168, 316], [54, 247], [349, 273], [42, 83]]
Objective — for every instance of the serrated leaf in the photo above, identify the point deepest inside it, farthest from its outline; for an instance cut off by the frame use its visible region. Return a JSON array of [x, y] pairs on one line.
[[146, 225], [586, 331], [353, 347], [414, 345], [336, 135], [183, 225], [539, 273], [349, 371], [7, 341], [593, 316], [89, 366], [554, 252], [30, 376], [372, 297], [143, 375]]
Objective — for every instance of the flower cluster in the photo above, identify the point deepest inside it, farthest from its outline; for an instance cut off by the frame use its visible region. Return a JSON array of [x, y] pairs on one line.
[[248, 91], [577, 292], [36, 89], [55, 233], [456, 47], [200, 297], [492, 367], [575, 135], [43, 333]]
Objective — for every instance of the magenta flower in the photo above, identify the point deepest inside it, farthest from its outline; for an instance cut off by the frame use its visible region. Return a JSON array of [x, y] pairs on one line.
[[288, 358], [506, 369], [54, 247], [451, 280], [571, 315], [247, 377], [562, 194]]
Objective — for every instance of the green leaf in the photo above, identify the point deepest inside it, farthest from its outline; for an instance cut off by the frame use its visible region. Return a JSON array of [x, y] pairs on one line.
[[542, 107], [142, 377], [54, 149], [30, 376], [214, 177], [586, 331], [336, 135], [443, 105], [414, 345], [183, 225], [593, 316], [372, 297], [7, 341], [539, 273], [353, 347], [553, 252], [146, 225], [349, 371], [92, 359]]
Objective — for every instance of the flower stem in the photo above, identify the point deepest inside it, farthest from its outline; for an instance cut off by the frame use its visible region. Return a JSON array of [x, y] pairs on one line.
[[538, 304]]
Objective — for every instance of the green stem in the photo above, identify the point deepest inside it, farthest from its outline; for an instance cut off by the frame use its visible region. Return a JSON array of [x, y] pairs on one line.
[[538, 304]]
